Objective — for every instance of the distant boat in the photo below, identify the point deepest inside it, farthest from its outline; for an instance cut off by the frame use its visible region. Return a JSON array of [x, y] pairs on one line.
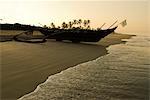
[[77, 36]]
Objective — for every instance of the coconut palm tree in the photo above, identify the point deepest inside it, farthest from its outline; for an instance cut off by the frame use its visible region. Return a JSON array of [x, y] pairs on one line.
[[52, 25], [74, 22], [79, 22], [63, 25], [88, 21], [67, 26], [44, 26], [85, 23], [58, 27], [70, 24], [88, 27]]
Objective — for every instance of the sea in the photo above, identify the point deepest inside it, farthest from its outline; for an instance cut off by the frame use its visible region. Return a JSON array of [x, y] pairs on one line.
[[122, 74]]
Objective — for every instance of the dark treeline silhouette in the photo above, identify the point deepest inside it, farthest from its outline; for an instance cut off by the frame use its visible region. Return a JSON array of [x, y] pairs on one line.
[[75, 24], [79, 24], [18, 26]]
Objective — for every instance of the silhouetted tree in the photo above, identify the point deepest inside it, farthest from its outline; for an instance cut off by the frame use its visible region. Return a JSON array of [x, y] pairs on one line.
[[63, 25], [44, 26], [80, 22], [85, 23], [67, 25], [49, 27], [74, 22], [70, 24], [88, 21], [58, 27], [52, 25], [88, 27]]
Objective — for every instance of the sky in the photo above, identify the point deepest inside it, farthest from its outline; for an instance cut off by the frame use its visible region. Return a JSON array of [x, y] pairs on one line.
[[33, 12]]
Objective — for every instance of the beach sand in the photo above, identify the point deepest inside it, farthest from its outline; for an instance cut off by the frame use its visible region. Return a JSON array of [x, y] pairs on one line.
[[24, 65]]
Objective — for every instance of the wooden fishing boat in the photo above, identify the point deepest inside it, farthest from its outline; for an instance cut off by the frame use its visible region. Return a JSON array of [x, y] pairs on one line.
[[28, 37], [77, 35]]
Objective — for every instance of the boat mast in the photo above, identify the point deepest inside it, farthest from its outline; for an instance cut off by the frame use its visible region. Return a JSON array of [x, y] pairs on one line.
[[113, 24], [102, 26]]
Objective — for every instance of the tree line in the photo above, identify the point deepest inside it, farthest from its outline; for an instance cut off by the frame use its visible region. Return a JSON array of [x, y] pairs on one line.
[[75, 24]]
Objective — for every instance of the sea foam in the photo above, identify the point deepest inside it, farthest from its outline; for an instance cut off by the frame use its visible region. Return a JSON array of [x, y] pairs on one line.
[[123, 74]]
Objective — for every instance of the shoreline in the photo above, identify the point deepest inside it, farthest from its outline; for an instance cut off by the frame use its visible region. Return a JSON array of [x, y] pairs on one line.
[[115, 75], [29, 78]]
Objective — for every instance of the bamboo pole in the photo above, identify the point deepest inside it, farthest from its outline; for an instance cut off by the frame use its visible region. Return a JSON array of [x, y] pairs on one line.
[[102, 25], [113, 24]]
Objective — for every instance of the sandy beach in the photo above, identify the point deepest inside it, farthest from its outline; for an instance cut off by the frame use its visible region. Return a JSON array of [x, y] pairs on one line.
[[24, 65]]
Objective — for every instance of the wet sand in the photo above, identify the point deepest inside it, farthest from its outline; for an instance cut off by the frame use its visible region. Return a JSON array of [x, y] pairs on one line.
[[24, 65]]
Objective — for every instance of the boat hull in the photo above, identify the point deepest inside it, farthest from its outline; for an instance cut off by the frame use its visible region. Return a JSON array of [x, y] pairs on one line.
[[78, 35], [28, 37]]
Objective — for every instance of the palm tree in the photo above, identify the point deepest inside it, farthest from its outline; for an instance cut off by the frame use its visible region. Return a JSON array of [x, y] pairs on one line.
[[44, 26], [88, 21], [49, 27], [58, 27], [88, 27], [63, 25], [85, 23], [79, 22], [74, 21], [70, 24], [52, 25], [67, 26]]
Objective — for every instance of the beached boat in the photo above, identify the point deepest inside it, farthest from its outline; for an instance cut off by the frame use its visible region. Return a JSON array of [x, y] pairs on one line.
[[77, 35], [28, 37]]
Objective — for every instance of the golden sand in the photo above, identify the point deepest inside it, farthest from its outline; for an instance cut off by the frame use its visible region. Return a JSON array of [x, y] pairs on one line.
[[24, 66]]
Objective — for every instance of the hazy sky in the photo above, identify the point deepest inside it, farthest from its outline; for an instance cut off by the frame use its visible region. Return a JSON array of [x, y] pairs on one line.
[[46, 11]]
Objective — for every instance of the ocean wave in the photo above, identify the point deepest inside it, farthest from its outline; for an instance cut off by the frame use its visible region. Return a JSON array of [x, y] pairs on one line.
[[123, 74]]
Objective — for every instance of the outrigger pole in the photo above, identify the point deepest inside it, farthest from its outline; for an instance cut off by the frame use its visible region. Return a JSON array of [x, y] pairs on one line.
[[102, 25], [113, 24]]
